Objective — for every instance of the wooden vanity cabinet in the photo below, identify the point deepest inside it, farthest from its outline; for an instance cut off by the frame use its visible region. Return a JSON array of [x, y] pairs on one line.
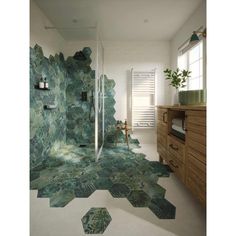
[[162, 118], [196, 153], [187, 158]]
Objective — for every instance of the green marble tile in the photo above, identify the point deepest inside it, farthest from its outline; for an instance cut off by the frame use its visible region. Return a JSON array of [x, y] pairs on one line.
[[153, 190], [119, 190], [48, 190], [34, 175], [46, 127], [96, 220], [61, 198], [162, 208], [139, 198], [84, 188], [103, 183]]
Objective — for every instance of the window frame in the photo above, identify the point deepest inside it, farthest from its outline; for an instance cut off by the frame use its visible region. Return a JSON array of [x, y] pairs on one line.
[[185, 48]]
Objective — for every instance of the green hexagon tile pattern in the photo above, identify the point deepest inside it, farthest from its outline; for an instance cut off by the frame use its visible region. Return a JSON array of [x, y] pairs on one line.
[[60, 169], [96, 220], [119, 170], [46, 127]]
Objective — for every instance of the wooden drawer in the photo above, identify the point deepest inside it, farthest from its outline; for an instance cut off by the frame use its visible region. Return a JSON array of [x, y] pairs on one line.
[[196, 137], [198, 147], [199, 129], [196, 189], [196, 178], [162, 115], [177, 166], [196, 117], [196, 154], [176, 148], [196, 169]]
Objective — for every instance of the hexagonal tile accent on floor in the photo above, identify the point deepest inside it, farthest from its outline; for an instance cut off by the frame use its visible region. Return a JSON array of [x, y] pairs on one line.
[[119, 190], [162, 208], [139, 198], [61, 198], [103, 183], [119, 170], [96, 220], [84, 189]]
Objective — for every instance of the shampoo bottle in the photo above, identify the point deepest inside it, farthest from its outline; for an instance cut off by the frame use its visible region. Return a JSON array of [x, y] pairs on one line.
[[45, 83], [41, 83]]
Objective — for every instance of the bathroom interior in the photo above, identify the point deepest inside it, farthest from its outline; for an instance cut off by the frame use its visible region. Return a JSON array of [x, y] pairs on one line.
[[100, 162]]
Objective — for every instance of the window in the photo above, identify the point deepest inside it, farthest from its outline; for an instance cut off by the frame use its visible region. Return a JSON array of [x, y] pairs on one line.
[[192, 59]]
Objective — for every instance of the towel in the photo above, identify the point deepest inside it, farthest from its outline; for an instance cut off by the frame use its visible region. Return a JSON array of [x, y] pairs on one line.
[[178, 128], [178, 122]]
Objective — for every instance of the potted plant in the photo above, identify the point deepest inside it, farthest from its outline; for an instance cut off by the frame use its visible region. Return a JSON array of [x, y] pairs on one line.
[[177, 79]]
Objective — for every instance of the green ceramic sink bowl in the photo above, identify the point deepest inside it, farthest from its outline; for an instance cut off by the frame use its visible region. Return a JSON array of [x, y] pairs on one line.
[[192, 97]]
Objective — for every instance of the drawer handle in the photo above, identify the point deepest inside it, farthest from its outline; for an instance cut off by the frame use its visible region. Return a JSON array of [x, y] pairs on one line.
[[163, 117], [171, 162], [174, 147]]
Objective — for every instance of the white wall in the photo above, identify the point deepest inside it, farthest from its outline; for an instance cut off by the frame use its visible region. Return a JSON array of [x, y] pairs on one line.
[[120, 57], [197, 20], [50, 40]]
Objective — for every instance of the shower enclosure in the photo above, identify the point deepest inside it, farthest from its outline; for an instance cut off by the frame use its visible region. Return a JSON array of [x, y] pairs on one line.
[[93, 35]]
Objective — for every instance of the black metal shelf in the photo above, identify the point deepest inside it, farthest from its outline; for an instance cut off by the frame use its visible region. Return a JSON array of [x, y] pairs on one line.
[[37, 87]]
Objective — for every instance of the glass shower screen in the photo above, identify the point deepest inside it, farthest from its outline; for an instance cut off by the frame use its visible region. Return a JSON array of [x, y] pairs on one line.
[[99, 98]]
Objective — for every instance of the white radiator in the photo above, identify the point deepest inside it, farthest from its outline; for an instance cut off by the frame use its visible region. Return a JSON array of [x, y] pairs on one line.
[[143, 98]]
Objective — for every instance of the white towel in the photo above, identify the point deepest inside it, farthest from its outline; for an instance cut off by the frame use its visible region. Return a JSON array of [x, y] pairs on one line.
[[177, 128], [178, 122]]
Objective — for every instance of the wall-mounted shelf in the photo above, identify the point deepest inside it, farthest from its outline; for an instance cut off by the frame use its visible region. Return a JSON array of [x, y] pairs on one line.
[[49, 107], [37, 87]]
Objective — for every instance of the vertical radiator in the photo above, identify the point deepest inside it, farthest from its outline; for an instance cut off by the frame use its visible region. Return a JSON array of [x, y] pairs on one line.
[[143, 98]]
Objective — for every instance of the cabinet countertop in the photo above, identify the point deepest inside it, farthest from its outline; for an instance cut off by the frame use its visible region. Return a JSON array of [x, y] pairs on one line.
[[184, 107]]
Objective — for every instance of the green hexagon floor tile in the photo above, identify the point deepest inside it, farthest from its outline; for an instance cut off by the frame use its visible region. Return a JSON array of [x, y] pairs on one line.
[[162, 208], [96, 220], [103, 183], [72, 172], [119, 190], [61, 198], [139, 198]]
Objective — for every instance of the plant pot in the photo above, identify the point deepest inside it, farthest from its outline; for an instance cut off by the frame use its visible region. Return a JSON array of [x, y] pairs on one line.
[[175, 98], [192, 97]]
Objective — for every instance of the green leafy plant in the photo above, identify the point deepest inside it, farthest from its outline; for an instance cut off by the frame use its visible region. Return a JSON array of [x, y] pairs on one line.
[[177, 78]]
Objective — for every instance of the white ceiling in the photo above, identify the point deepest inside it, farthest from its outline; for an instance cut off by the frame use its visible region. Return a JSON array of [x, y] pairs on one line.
[[118, 19]]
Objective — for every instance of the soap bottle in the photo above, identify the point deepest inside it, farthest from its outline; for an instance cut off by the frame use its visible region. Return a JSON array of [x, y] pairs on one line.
[[41, 83], [45, 83]]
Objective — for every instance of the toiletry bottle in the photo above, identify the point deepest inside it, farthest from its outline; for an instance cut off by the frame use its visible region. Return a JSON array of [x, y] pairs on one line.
[[41, 83], [45, 83]]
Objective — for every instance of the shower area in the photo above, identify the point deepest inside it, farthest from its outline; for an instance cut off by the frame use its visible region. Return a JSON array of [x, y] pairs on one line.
[[85, 98], [67, 102]]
